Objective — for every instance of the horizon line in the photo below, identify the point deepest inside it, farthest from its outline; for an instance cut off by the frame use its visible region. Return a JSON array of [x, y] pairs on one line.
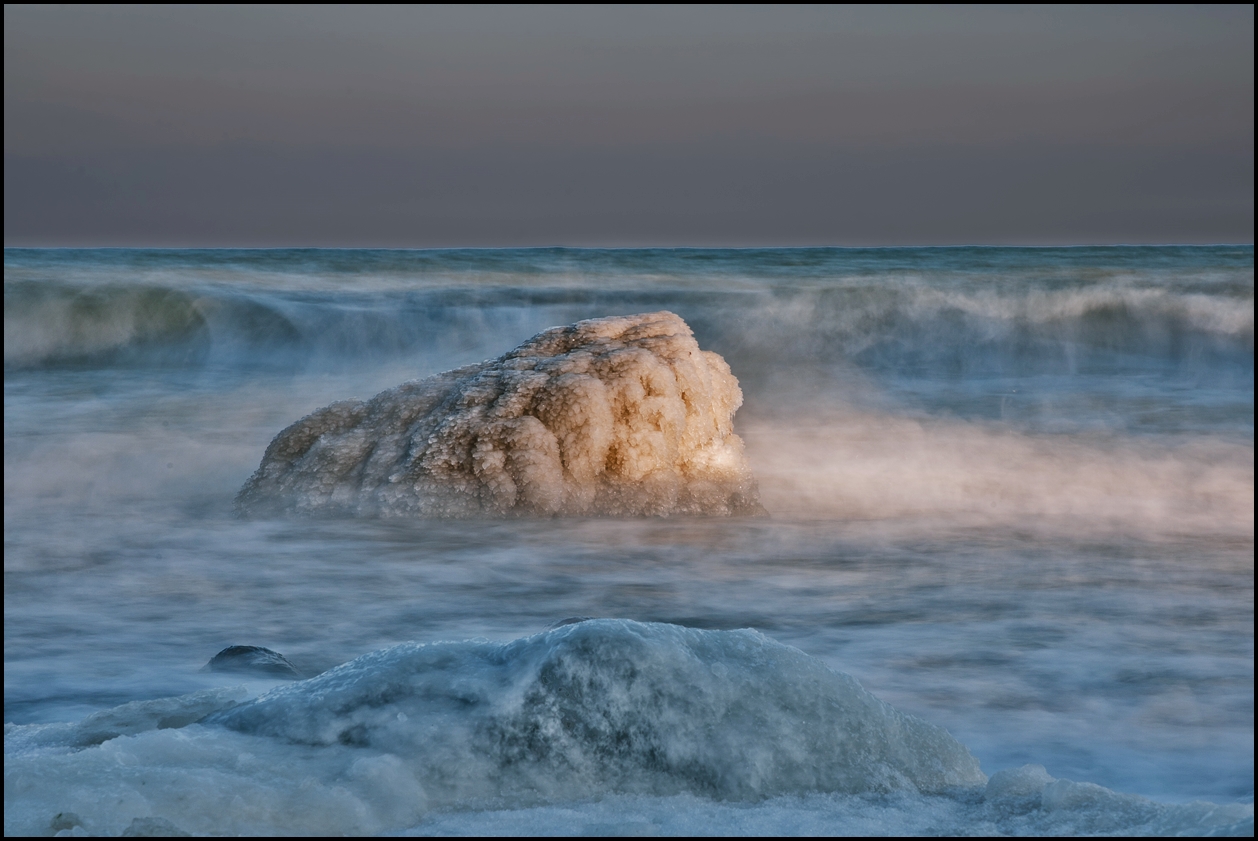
[[8, 247]]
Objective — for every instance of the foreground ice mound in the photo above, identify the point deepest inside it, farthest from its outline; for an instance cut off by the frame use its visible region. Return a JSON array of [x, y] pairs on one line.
[[620, 705], [621, 416], [591, 728]]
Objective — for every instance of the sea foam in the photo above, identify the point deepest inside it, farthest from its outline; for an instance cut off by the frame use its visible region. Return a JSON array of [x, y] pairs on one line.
[[621, 416]]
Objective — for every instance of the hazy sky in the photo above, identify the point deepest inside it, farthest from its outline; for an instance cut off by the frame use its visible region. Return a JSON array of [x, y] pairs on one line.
[[627, 126]]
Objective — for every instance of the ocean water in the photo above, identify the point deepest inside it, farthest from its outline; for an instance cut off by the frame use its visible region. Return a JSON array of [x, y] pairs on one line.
[[1005, 583]]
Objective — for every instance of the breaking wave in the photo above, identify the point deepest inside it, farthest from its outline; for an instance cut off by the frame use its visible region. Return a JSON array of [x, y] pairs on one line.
[[443, 310]]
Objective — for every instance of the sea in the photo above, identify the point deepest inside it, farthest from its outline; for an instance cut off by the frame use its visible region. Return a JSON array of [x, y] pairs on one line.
[[1005, 583]]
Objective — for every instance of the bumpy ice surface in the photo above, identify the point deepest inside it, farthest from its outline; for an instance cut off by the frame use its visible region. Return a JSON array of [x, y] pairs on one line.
[[595, 727], [621, 416]]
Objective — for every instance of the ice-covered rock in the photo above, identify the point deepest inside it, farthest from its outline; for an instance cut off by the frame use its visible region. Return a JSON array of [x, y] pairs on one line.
[[615, 705], [621, 416], [593, 727]]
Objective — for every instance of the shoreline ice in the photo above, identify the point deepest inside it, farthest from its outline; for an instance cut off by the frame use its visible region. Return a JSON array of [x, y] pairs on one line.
[[655, 728]]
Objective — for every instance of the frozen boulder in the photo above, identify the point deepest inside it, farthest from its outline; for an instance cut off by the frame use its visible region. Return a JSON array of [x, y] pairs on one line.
[[621, 416]]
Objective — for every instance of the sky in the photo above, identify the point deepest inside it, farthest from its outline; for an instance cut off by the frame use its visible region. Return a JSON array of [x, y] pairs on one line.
[[627, 126]]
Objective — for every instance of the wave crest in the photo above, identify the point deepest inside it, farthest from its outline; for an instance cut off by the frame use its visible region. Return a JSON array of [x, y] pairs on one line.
[[53, 325]]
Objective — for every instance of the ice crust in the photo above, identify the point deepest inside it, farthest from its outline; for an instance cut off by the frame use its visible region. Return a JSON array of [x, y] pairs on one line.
[[597, 727], [620, 705], [620, 416]]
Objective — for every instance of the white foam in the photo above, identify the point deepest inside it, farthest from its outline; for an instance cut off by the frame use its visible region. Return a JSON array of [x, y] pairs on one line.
[[617, 416], [1145, 306]]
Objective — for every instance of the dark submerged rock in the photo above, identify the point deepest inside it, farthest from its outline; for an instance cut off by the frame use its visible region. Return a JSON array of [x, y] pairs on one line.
[[252, 659], [571, 620]]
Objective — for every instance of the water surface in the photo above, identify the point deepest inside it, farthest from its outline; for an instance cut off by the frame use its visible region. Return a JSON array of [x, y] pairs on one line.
[[1011, 490]]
